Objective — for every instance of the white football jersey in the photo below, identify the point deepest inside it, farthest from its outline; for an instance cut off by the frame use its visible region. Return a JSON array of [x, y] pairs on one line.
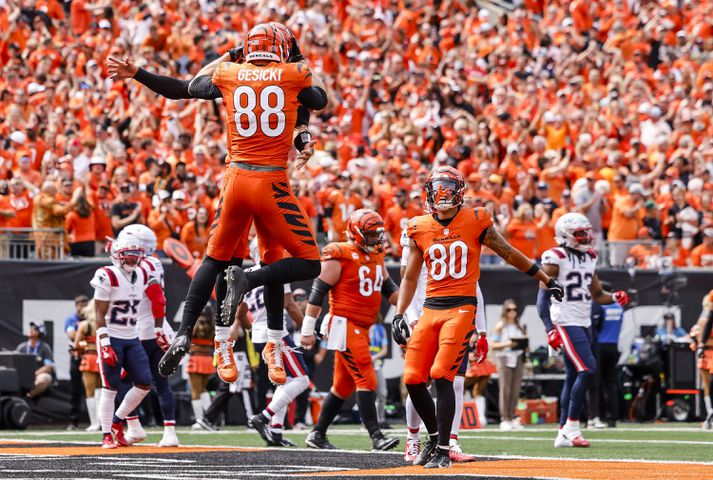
[[154, 268], [415, 309], [575, 274], [256, 306], [124, 293]]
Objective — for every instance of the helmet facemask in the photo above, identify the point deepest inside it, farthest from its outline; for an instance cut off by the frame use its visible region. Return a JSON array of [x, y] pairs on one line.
[[443, 194]]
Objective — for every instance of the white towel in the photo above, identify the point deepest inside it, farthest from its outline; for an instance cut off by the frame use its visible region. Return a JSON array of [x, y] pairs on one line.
[[337, 334]]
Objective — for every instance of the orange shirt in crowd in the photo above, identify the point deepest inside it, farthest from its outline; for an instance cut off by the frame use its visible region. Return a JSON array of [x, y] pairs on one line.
[[545, 237], [22, 204], [523, 236], [80, 229], [622, 227], [396, 220], [195, 238], [702, 256], [342, 208], [163, 228], [5, 206]]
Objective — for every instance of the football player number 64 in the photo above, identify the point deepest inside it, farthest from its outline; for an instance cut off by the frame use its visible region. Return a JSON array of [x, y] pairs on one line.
[[448, 261], [272, 101]]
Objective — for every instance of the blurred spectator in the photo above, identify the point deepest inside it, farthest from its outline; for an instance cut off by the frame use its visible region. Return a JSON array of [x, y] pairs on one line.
[[21, 203], [626, 222], [194, 234], [71, 325], [522, 231], [164, 219], [510, 363], [379, 348], [669, 332], [48, 213], [702, 255], [397, 219], [124, 211], [80, 225], [593, 205], [44, 374], [651, 220]]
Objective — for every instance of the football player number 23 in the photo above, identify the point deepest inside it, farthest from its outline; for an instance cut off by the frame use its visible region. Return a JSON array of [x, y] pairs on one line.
[[271, 121], [120, 312], [451, 261]]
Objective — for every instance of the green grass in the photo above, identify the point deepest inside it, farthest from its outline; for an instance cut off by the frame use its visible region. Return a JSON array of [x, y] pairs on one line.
[[672, 442]]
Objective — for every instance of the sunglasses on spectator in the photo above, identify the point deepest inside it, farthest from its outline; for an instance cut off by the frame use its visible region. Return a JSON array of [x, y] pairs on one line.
[[511, 309]]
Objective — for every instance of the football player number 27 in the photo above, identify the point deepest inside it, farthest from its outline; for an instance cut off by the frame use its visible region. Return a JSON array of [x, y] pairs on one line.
[[271, 121], [367, 286], [451, 261]]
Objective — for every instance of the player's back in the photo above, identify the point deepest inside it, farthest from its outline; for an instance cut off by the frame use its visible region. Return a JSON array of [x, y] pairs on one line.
[[576, 271], [451, 254], [124, 293], [357, 294], [261, 109]]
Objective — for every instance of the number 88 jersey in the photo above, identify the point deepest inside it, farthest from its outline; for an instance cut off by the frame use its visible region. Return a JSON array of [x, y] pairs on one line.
[[357, 294], [124, 293], [451, 253], [576, 271]]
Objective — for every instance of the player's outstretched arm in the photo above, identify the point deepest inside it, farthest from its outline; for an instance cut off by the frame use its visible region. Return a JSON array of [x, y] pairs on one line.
[[169, 87], [605, 298], [202, 85], [328, 277]]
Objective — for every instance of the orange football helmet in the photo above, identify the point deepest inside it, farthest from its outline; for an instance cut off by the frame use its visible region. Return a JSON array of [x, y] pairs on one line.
[[287, 37], [265, 42], [365, 227], [444, 189]]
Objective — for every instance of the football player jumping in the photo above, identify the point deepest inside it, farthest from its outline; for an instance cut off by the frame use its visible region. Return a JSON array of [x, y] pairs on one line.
[[354, 275], [154, 340], [261, 97], [448, 241], [413, 421], [573, 263], [118, 290]]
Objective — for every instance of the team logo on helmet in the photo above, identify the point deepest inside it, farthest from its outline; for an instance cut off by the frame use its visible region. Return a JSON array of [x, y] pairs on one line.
[[574, 231], [444, 189], [265, 42], [366, 228]]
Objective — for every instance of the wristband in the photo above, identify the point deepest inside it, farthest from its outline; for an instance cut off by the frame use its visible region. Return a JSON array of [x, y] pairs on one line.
[[158, 330], [308, 323], [302, 139], [533, 270], [103, 334]]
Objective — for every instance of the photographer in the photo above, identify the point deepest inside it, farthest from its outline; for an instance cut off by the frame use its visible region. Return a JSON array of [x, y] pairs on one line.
[[44, 374]]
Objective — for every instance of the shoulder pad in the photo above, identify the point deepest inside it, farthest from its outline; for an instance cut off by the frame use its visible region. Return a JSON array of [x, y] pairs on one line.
[[553, 256]]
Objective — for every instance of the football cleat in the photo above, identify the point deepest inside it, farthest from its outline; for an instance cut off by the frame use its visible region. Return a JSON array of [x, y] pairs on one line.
[[279, 441], [118, 430], [108, 441], [169, 439], [272, 355], [225, 361], [318, 440], [596, 423], [382, 443], [206, 425], [262, 425], [413, 448], [172, 358], [579, 441], [439, 460], [237, 287], [708, 422], [428, 452], [562, 441], [457, 455]]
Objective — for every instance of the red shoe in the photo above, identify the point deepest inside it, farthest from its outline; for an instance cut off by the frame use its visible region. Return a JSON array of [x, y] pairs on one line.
[[108, 441], [118, 430], [579, 441], [457, 455]]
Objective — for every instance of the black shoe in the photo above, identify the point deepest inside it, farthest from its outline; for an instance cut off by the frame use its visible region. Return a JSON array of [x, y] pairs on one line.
[[384, 426], [237, 282], [382, 443], [206, 425], [279, 441], [319, 441], [429, 450], [172, 358], [440, 460], [261, 424]]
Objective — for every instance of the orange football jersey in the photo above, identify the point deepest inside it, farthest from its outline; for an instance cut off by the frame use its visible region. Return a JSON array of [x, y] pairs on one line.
[[357, 294], [261, 109], [342, 209], [451, 253]]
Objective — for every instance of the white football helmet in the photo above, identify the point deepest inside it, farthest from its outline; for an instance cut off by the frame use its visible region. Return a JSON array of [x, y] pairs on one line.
[[127, 253], [573, 230], [145, 236]]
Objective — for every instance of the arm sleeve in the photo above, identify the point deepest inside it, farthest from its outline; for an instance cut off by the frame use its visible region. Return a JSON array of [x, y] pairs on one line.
[[314, 98], [166, 86], [302, 116], [158, 300], [480, 323], [543, 308], [203, 87]]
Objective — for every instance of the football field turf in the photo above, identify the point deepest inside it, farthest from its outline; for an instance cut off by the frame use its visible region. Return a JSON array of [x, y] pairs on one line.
[[651, 451]]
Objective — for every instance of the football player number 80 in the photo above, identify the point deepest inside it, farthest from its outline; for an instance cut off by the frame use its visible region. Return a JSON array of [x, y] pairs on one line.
[[272, 101], [448, 261]]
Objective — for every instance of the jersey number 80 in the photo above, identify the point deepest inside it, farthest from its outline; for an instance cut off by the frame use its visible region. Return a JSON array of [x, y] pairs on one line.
[[452, 261], [245, 101]]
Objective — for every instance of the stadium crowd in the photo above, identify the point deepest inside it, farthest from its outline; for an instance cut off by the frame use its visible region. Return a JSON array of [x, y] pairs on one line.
[[600, 107]]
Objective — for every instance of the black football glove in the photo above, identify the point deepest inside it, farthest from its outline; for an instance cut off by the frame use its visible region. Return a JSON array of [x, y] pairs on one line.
[[237, 54], [400, 329], [556, 289], [295, 53]]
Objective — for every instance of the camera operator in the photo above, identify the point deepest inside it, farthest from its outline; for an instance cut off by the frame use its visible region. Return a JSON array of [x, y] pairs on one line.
[[44, 374]]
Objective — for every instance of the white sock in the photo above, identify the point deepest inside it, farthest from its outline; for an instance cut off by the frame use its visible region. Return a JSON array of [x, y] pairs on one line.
[[248, 403], [274, 336], [106, 409], [480, 406], [205, 401], [131, 401], [169, 428], [453, 441], [458, 387], [707, 402], [284, 394], [572, 425], [197, 409], [134, 423], [97, 399], [92, 410], [278, 420], [413, 421], [222, 333]]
